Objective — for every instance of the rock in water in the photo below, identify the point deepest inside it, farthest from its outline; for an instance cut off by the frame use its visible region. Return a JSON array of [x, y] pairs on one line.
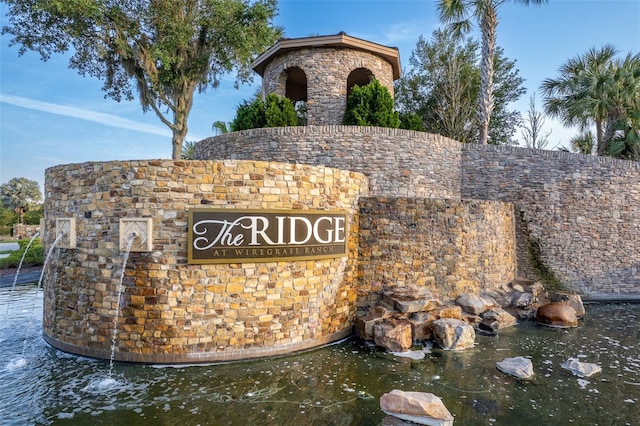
[[453, 334], [365, 324], [557, 314], [393, 335], [519, 367], [572, 299], [418, 407], [581, 369]]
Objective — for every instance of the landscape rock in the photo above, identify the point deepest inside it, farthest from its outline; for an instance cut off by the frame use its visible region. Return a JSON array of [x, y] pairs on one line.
[[393, 335], [411, 299], [365, 324], [503, 318], [421, 325], [417, 407], [519, 367], [537, 289], [521, 299], [449, 311], [453, 334], [557, 314], [572, 299], [581, 369], [475, 304], [415, 355]]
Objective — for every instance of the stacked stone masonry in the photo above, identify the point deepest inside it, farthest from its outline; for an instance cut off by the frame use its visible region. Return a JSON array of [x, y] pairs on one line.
[[398, 162], [450, 247], [577, 216], [326, 71], [175, 312]]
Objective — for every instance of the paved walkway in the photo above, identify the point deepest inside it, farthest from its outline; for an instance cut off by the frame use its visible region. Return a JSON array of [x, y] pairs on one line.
[[29, 277]]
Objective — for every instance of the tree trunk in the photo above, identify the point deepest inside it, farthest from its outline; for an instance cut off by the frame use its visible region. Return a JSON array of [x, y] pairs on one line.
[[599, 138], [183, 103], [488, 25]]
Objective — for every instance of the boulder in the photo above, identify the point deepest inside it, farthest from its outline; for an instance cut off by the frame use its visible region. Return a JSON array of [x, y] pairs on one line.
[[475, 304], [572, 299], [415, 355], [557, 314], [453, 334], [488, 328], [449, 311], [365, 324], [421, 325], [519, 367], [417, 407], [536, 288], [410, 299], [521, 299], [581, 369], [393, 335], [498, 315]]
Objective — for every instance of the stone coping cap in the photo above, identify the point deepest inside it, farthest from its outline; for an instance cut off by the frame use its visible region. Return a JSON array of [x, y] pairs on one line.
[[390, 54]]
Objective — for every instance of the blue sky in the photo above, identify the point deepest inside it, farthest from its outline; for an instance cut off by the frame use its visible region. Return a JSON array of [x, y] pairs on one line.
[[50, 115]]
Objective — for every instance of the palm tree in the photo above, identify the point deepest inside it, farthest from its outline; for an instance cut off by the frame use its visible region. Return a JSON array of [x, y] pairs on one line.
[[595, 89], [188, 150], [583, 143], [457, 14], [220, 127]]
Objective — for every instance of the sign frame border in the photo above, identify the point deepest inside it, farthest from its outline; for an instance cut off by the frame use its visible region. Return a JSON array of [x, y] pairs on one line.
[[192, 261]]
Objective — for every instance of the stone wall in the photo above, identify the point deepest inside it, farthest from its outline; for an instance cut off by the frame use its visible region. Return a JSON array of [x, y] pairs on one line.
[[175, 312], [579, 216], [447, 246], [326, 70], [20, 230], [398, 162]]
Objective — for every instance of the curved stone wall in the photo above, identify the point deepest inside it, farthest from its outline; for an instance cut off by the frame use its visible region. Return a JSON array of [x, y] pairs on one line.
[[577, 216], [326, 70], [398, 162], [174, 312]]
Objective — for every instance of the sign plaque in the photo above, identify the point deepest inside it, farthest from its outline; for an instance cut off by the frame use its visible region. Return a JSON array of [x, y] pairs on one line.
[[243, 235]]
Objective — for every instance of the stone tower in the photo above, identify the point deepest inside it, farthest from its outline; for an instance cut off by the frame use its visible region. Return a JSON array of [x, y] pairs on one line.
[[321, 71]]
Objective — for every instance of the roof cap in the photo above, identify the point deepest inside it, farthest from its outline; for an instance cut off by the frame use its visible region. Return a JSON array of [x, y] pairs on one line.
[[390, 54]]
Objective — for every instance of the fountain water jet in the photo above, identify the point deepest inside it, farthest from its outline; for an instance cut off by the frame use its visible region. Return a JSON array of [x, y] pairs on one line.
[[130, 240], [15, 278], [21, 362]]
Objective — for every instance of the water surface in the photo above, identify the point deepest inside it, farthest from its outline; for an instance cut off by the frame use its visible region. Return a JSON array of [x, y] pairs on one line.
[[336, 385]]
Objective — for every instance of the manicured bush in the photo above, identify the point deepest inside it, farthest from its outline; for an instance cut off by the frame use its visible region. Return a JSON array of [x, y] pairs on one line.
[[370, 105], [411, 121], [249, 115], [277, 111], [280, 112], [34, 257]]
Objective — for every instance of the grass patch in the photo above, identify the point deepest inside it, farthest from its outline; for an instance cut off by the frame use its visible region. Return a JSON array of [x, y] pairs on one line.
[[34, 257]]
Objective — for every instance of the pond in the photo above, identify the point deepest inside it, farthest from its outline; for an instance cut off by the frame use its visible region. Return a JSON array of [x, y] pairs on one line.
[[339, 384]]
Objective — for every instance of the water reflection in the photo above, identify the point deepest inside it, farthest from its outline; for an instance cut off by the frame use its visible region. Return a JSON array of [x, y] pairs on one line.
[[336, 385]]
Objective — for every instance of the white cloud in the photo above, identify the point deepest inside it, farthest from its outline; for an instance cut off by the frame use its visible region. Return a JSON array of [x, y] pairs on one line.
[[83, 114]]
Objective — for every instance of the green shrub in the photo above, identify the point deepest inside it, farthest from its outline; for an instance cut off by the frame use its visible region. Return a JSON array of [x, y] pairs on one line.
[[277, 111], [34, 257], [280, 112], [411, 121], [249, 115], [370, 105]]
